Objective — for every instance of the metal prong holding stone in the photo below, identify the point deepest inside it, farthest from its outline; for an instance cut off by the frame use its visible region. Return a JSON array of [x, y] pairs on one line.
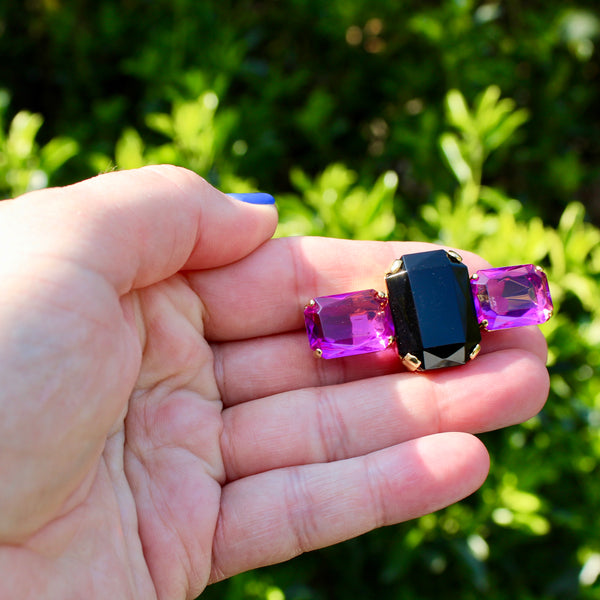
[[475, 352], [396, 267], [484, 324], [474, 277], [455, 256], [381, 295], [311, 302], [412, 363], [318, 353]]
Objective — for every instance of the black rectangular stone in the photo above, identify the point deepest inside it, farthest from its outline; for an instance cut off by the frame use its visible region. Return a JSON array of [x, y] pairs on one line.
[[433, 310]]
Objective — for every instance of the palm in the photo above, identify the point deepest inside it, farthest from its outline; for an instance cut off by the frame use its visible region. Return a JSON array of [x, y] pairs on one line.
[[165, 461], [158, 464]]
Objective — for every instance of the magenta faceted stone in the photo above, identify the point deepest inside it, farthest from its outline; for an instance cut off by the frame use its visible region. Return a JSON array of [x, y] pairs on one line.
[[511, 296], [348, 324]]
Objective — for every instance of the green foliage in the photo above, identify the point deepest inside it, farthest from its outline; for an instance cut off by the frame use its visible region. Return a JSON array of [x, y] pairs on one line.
[[380, 120], [318, 82], [334, 206], [195, 138], [23, 165]]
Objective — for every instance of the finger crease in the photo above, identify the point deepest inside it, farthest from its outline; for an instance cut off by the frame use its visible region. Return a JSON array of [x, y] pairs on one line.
[[219, 369], [300, 512], [377, 488], [331, 427]]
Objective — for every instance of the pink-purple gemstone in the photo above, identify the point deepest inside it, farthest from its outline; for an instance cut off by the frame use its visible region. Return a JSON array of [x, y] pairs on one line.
[[348, 324], [511, 296]]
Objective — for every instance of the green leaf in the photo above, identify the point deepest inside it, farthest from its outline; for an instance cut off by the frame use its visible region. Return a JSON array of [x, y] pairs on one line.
[[504, 130], [162, 123], [22, 132], [452, 152], [129, 151], [56, 152], [458, 111]]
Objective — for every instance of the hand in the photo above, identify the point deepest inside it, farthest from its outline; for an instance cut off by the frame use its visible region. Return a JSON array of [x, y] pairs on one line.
[[163, 423]]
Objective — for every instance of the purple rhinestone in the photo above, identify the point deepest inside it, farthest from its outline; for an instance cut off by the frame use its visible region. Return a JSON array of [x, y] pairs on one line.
[[348, 324], [511, 296]]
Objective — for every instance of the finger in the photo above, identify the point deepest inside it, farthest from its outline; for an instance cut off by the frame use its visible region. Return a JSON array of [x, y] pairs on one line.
[[266, 293], [527, 338], [240, 380], [273, 516], [138, 227], [319, 425]]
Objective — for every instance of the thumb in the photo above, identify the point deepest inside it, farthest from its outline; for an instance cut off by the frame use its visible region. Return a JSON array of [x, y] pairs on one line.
[[141, 226]]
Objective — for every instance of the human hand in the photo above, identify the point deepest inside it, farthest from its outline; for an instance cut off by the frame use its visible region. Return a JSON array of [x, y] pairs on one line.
[[163, 423]]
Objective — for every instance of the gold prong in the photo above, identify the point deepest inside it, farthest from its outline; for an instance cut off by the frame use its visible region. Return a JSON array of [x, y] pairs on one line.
[[539, 269], [484, 324], [396, 267], [318, 353], [475, 352], [390, 341], [412, 363], [311, 302], [474, 277], [455, 256]]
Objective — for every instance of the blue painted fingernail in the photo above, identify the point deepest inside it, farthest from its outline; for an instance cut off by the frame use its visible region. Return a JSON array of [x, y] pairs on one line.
[[254, 198]]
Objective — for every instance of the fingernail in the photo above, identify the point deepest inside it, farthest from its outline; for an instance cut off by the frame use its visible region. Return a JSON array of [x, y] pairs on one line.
[[254, 198]]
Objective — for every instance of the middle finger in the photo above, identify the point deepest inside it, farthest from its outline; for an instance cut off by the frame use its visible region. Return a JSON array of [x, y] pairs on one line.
[[323, 424]]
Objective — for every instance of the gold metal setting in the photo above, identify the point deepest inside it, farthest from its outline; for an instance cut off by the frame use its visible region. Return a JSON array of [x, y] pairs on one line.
[[484, 324], [382, 295], [396, 267], [318, 353], [475, 352], [474, 277], [454, 256], [412, 363]]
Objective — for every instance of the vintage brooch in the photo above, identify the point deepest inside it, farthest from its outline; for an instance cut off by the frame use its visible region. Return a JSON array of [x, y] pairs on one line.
[[432, 311]]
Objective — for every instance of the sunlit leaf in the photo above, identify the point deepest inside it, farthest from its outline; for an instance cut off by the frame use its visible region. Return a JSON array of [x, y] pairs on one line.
[[453, 154]]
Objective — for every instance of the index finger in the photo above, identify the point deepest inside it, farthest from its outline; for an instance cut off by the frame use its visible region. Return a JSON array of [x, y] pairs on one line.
[[265, 294]]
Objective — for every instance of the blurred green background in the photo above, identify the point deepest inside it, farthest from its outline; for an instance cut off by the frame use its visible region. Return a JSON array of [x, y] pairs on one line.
[[470, 123]]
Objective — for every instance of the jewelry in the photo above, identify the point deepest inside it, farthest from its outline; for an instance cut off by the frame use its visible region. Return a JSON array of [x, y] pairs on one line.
[[433, 312]]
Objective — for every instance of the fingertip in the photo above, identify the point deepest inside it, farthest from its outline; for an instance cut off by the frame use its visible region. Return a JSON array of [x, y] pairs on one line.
[[432, 472], [230, 229], [482, 460], [469, 457]]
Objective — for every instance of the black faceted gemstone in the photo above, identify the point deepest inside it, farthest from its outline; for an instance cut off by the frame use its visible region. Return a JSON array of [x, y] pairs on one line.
[[433, 310]]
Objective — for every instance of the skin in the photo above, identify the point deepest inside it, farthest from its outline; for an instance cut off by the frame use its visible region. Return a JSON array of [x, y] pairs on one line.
[[163, 424]]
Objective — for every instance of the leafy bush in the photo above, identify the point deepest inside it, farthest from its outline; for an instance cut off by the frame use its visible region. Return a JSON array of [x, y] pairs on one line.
[[316, 82]]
